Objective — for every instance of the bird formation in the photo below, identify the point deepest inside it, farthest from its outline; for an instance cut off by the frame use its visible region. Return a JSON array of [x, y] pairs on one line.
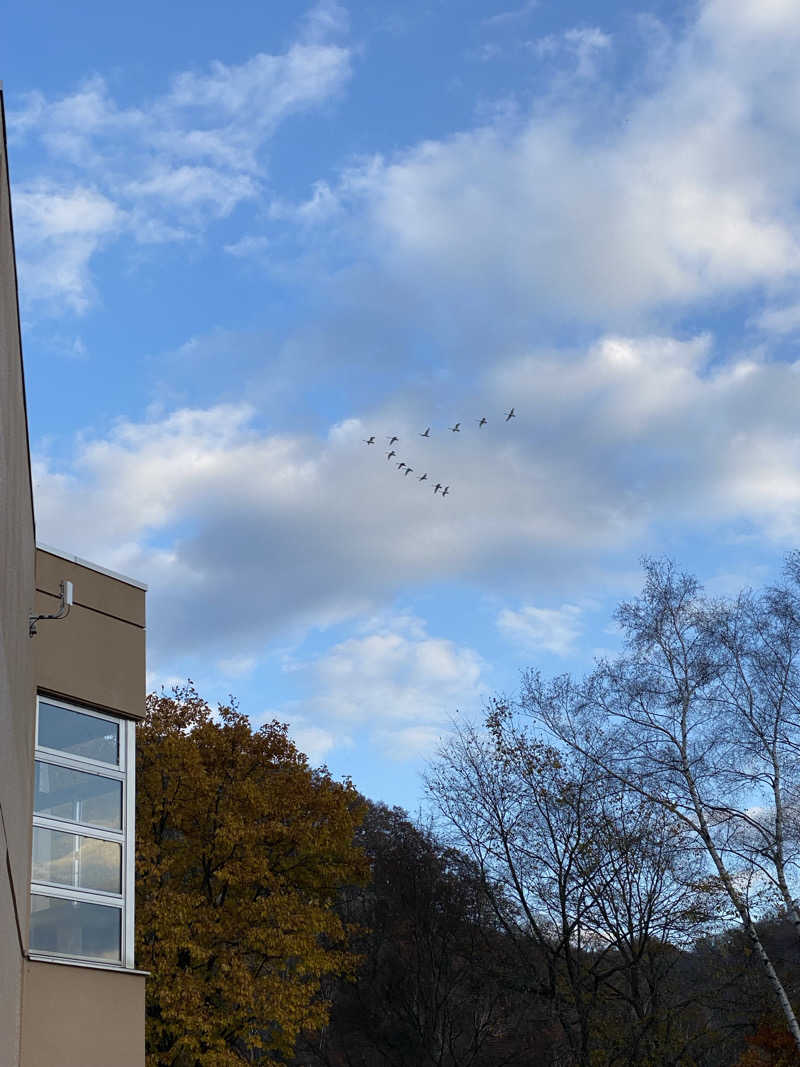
[[405, 469]]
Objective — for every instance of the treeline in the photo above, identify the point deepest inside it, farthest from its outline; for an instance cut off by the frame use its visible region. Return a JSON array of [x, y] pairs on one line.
[[446, 982], [609, 877]]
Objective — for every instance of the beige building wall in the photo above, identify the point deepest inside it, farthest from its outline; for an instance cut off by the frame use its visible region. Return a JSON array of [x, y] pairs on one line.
[[96, 654], [86, 1016], [16, 654], [82, 1017]]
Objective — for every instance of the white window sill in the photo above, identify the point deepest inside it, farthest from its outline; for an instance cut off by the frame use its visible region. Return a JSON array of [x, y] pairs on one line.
[[92, 965]]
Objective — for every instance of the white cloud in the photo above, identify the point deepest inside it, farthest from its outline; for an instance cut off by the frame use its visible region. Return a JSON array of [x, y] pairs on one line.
[[191, 189], [57, 231], [166, 167], [397, 682], [598, 203], [325, 20], [321, 206], [317, 742], [279, 531], [511, 16], [779, 320], [250, 245], [584, 44], [237, 666], [543, 629]]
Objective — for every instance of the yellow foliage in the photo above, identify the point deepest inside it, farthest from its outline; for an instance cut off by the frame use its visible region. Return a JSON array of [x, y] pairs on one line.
[[241, 850]]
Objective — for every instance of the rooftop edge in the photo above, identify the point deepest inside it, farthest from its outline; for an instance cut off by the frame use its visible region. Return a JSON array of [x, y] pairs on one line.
[[91, 566]]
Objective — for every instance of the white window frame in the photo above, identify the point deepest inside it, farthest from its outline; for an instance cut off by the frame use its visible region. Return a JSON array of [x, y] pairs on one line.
[[125, 772]]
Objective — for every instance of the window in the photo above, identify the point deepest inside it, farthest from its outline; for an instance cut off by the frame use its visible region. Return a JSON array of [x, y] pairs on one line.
[[83, 835]]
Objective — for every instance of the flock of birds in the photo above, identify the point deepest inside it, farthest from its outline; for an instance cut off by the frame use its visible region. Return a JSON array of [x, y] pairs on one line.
[[405, 469]]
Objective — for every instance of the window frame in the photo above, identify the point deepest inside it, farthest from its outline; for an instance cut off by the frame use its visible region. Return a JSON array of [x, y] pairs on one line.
[[123, 771]]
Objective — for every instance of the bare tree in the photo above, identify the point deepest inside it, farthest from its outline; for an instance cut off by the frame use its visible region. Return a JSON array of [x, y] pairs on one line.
[[594, 884], [699, 716]]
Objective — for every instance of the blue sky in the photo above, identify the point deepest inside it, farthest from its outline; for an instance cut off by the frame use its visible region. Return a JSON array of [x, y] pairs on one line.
[[248, 241]]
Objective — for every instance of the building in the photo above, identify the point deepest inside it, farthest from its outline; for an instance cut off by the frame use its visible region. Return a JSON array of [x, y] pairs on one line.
[[72, 686]]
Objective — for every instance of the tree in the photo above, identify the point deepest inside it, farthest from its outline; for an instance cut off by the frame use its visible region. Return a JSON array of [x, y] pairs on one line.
[[700, 717], [241, 852], [430, 989], [593, 884]]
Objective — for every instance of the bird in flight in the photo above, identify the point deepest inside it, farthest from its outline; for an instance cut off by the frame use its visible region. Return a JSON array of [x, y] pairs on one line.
[[400, 465], [392, 441], [408, 471], [423, 477], [482, 422], [436, 488], [446, 490], [510, 415], [456, 428], [369, 440], [390, 454], [427, 433]]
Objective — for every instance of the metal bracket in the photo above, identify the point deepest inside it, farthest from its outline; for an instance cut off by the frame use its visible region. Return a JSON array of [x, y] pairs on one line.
[[66, 590]]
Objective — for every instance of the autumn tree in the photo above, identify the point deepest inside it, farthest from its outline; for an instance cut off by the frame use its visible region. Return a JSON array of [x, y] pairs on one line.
[[241, 851]]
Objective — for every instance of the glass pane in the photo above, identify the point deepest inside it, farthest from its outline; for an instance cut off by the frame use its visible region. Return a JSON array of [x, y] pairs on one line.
[[78, 734], [74, 860], [62, 793], [75, 928]]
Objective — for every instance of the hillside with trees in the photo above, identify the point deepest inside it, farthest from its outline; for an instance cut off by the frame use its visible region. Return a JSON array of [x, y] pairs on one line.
[[608, 878]]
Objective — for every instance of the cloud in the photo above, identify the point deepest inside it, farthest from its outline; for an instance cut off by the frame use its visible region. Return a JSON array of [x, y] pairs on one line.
[[779, 320], [315, 741], [250, 245], [57, 231], [237, 666], [597, 202], [543, 629], [278, 532], [161, 170], [397, 681], [194, 190], [512, 16], [584, 44]]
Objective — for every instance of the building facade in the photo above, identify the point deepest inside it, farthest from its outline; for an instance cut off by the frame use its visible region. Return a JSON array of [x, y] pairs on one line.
[[71, 690]]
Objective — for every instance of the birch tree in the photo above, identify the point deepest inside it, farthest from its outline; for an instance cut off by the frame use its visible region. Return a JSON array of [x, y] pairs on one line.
[[699, 716]]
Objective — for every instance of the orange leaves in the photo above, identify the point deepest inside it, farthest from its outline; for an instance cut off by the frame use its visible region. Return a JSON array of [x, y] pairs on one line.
[[242, 849]]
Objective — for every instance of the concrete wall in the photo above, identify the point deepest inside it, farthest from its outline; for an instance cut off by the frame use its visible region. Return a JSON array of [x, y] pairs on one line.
[[96, 654], [16, 662], [82, 1017]]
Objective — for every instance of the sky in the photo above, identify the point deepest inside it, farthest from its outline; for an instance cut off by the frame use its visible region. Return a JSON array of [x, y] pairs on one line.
[[251, 239]]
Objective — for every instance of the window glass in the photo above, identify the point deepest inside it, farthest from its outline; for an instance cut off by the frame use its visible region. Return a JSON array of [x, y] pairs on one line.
[[78, 734], [62, 793], [75, 928], [75, 860]]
